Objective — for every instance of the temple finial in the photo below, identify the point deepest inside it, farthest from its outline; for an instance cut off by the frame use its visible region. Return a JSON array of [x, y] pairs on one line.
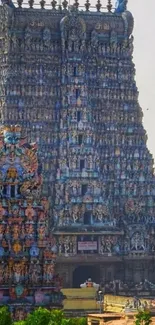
[[109, 5], [20, 2], [42, 4], [53, 3], [65, 4], [87, 5], [98, 5], [76, 4], [31, 3]]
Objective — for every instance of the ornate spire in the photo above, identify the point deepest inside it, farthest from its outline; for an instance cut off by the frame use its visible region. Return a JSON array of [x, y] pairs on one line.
[[42, 4], [87, 5], [60, 6], [98, 5], [109, 5], [31, 3], [53, 4], [65, 4], [76, 4], [19, 3]]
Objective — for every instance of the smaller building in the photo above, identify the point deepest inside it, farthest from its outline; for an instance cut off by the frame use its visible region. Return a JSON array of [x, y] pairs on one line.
[[113, 319], [110, 319]]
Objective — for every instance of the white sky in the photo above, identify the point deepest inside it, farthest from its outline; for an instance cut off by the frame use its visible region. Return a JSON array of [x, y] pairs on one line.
[[144, 59]]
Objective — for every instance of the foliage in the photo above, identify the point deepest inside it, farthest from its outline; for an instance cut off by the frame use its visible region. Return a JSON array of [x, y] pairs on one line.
[[56, 317], [82, 321], [22, 322], [78, 321], [143, 318], [42, 316], [5, 316]]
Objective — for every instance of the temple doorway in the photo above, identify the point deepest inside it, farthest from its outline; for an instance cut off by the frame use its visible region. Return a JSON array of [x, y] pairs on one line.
[[83, 273]]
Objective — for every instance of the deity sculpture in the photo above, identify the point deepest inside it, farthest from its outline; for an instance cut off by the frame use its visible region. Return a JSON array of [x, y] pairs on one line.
[[2, 278], [35, 274], [16, 231], [28, 37], [46, 37], [41, 232], [138, 242], [29, 212], [2, 212], [89, 284], [2, 228], [121, 6], [48, 273], [18, 275]]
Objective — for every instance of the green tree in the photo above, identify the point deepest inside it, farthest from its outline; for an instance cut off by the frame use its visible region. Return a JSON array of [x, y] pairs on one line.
[[143, 318], [22, 322], [82, 321], [57, 316], [40, 316], [78, 321], [5, 316]]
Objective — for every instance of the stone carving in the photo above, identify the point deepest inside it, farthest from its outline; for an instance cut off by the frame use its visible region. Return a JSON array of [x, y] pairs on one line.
[[108, 244], [138, 242], [48, 273], [35, 273], [47, 37], [67, 245]]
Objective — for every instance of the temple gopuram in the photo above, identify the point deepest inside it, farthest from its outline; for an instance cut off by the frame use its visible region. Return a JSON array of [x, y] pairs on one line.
[[27, 249], [68, 79]]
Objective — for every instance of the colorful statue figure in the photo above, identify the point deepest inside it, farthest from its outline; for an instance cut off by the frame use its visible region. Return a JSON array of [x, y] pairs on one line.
[[1, 231], [8, 3], [35, 273], [12, 135], [2, 212], [29, 212], [121, 6], [2, 279], [17, 273], [89, 284], [48, 273]]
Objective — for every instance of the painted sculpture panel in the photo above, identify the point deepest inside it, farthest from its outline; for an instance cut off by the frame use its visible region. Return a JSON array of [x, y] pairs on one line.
[[27, 249]]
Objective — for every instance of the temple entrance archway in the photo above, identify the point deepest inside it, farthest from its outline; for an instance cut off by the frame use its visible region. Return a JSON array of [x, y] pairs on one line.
[[84, 272]]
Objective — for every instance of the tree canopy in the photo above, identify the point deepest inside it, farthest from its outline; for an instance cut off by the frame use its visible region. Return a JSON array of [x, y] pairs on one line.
[[41, 316]]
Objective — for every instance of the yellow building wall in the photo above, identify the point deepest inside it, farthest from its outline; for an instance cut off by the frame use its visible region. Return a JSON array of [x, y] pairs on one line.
[[117, 303], [85, 299]]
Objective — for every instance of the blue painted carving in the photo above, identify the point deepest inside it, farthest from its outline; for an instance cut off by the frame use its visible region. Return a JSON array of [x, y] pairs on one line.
[[121, 6], [8, 3]]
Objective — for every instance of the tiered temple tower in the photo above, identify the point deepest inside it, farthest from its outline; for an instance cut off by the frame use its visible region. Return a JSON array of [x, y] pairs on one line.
[[27, 249], [68, 78]]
